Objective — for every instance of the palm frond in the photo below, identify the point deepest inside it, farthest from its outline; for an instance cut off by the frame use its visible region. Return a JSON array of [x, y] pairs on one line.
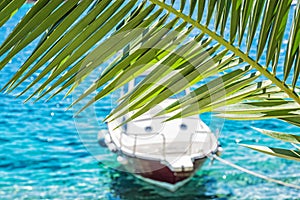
[[279, 152], [80, 36], [295, 139]]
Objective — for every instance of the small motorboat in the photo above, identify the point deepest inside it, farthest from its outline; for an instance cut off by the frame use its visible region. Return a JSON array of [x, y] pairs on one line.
[[166, 154]]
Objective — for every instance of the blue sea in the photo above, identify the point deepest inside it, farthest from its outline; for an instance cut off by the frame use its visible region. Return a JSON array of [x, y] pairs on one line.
[[42, 155]]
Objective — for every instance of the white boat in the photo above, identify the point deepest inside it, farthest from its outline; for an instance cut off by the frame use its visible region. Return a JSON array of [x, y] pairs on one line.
[[163, 153]]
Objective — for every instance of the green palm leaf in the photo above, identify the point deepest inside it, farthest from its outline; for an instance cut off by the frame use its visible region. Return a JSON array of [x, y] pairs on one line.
[[283, 153], [79, 36], [280, 136]]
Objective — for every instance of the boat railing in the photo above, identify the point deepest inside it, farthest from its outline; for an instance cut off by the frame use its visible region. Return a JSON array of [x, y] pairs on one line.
[[135, 137], [191, 140]]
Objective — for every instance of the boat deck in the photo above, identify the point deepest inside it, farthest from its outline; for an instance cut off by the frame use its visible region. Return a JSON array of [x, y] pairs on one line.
[[159, 147], [177, 153]]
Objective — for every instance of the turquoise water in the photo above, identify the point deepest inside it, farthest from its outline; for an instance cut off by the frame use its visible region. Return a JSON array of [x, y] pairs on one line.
[[42, 157]]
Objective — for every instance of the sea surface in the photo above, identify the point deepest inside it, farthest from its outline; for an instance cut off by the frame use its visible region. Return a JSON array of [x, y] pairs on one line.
[[42, 155]]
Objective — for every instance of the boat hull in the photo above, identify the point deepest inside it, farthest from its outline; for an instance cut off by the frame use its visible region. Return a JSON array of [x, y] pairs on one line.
[[157, 170]]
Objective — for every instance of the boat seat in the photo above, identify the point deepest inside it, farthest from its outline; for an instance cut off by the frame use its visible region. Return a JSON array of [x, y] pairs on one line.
[[180, 164]]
